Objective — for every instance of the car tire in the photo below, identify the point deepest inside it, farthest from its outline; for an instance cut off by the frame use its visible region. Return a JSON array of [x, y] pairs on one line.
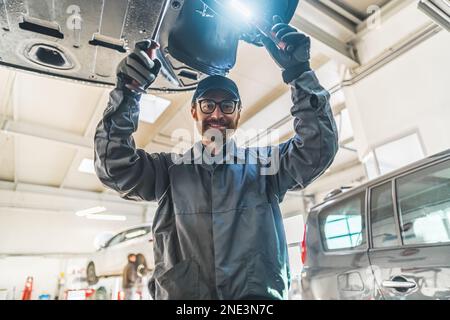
[[91, 277], [101, 294]]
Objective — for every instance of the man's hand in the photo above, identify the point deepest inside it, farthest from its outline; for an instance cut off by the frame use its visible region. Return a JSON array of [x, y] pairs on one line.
[[140, 66], [295, 59]]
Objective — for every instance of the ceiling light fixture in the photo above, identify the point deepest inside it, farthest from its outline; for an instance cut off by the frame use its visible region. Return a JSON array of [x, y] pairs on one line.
[[106, 217], [90, 211]]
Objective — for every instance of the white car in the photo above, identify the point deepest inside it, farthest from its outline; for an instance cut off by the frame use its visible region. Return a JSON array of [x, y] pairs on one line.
[[113, 250]]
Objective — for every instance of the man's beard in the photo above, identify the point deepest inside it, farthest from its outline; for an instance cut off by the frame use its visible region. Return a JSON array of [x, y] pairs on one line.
[[212, 126], [215, 137]]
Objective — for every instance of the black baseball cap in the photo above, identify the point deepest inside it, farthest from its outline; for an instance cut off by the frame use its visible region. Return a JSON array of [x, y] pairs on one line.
[[216, 83]]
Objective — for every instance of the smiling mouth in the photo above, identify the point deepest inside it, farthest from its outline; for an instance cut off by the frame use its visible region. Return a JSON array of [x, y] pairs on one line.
[[216, 126]]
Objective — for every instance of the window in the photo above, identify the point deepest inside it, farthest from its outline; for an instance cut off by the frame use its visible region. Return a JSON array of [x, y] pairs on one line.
[[344, 125], [399, 153], [393, 155], [116, 240], [382, 219], [424, 205], [342, 226], [152, 107]]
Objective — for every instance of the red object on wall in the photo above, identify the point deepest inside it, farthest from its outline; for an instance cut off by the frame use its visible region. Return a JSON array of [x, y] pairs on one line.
[[303, 247], [26, 295]]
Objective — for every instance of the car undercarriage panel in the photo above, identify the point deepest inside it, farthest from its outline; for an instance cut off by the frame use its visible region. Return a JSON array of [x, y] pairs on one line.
[[75, 39], [84, 40]]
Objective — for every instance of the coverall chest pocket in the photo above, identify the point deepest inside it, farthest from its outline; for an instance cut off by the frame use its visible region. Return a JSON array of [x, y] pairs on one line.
[[191, 189], [239, 186]]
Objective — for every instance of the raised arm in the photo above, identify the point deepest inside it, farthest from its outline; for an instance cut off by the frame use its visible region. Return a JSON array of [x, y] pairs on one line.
[[133, 173], [311, 151]]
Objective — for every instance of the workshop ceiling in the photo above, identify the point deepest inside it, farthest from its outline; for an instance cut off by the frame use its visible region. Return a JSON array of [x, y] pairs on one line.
[[358, 8]]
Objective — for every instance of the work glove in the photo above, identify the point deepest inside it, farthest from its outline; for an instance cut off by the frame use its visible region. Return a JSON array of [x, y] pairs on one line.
[[294, 59], [140, 68]]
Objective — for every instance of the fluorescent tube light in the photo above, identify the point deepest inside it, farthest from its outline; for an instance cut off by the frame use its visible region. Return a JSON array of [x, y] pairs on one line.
[[106, 217], [94, 210]]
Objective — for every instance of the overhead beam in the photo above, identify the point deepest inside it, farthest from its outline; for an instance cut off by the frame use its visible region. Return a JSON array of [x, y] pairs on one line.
[[39, 197], [336, 12], [91, 126], [41, 132], [56, 255], [328, 44], [335, 19]]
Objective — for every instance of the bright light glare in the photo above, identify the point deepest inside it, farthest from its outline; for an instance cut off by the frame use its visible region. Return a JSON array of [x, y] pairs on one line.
[[87, 166], [106, 217], [95, 210], [152, 108], [236, 4]]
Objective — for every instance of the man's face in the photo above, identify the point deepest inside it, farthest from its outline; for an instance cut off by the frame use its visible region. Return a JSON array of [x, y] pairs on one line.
[[216, 120], [132, 258]]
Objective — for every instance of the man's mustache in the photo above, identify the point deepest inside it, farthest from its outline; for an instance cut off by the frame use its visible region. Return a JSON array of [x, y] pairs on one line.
[[220, 122]]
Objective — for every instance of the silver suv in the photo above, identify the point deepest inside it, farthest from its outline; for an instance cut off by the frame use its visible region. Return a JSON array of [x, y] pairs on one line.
[[386, 239]]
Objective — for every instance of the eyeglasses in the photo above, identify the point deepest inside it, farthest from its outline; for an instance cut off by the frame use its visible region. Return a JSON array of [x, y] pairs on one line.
[[208, 106]]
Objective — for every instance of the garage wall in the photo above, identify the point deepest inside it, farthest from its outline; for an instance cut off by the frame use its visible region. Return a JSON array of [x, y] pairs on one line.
[[36, 233], [408, 94], [398, 25], [14, 272], [40, 232], [352, 176]]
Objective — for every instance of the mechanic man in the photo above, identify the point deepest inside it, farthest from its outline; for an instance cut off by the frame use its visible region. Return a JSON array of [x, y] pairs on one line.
[[218, 231], [129, 277]]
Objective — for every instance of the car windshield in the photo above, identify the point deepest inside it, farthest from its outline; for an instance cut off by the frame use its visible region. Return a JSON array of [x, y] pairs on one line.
[[135, 233], [115, 240]]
